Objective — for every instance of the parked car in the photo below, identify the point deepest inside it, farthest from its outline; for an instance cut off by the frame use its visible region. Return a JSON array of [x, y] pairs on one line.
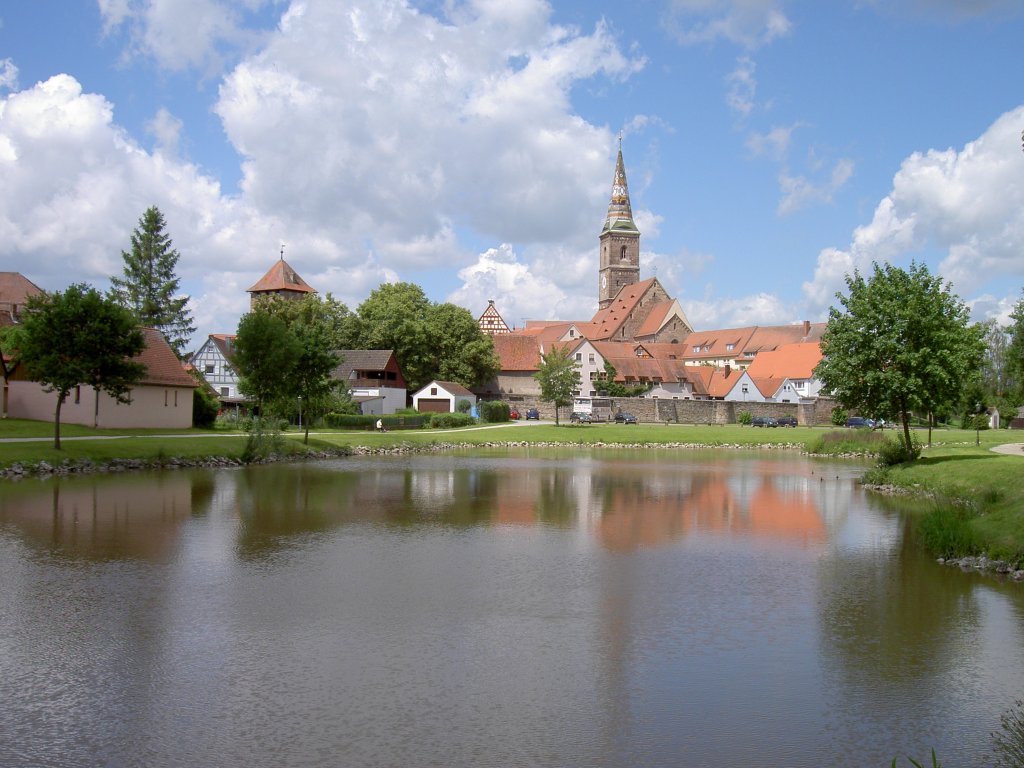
[[786, 421], [859, 422], [580, 418], [513, 414], [532, 413], [763, 421], [625, 418]]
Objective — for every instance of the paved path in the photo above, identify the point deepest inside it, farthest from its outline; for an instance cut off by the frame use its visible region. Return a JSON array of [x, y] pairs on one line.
[[1014, 449]]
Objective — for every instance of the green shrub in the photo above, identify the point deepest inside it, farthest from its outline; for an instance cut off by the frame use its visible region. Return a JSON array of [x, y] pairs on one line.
[[847, 442], [264, 440], [204, 407], [450, 420], [463, 406], [744, 418], [839, 416], [946, 532], [1008, 744], [894, 451], [494, 411]]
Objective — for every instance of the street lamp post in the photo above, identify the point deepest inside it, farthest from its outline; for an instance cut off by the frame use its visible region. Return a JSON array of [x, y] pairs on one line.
[[300, 411]]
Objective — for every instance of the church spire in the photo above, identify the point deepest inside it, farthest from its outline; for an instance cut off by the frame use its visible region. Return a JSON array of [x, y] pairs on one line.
[[620, 212]]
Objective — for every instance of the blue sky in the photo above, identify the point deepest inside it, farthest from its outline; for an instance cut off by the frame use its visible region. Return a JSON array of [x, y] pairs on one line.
[[771, 147]]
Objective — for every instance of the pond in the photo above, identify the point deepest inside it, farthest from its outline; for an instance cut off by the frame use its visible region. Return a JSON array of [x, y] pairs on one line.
[[494, 608]]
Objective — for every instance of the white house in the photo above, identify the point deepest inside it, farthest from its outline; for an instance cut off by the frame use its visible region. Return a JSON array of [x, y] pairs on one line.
[[213, 361], [441, 397]]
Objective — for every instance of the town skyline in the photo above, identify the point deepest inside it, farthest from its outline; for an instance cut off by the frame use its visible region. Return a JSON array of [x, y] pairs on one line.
[[469, 149]]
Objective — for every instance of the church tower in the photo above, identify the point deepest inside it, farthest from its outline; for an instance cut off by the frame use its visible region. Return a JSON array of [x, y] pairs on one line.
[[620, 241]]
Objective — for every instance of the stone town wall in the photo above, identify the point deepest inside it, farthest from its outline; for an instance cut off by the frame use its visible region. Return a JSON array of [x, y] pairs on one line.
[[818, 412]]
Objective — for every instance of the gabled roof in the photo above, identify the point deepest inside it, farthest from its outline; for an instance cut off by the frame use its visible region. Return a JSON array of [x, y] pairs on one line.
[[713, 381], [362, 360], [659, 317], [163, 368], [491, 321], [789, 361], [609, 320], [225, 344], [15, 288], [517, 351], [281, 277], [451, 387], [633, 361]]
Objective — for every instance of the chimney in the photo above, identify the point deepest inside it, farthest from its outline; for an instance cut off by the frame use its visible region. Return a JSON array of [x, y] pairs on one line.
[[807, 327]]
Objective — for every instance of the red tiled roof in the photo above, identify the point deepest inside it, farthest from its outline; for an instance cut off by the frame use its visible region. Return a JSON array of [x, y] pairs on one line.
[[608, 320], [789, 361], [517, 352], [163, 368], [281, 277]]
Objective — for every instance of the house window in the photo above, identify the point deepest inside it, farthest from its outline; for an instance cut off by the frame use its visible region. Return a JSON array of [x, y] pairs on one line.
[[730, 347], [696, 348], [433, 390], [707, 347], [591, 358], [579, 357], [572, 333], [175, 398], [745, 390], [224, 392], [78, 395], [209, 368]]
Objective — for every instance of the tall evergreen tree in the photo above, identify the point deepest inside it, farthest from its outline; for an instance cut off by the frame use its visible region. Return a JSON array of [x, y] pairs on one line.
[[149, 287]]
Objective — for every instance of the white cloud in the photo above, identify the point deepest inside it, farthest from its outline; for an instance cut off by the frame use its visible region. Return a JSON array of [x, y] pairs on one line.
[[749, 23], [519, 294], [371, 122], [375, 138], [799, 191], [8, 75], [756, 309], [967, 205], [182, 34], [774, 144], [166, 129], [742, 86]]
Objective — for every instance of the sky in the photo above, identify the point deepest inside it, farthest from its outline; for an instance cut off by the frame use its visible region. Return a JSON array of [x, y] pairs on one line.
[[771, 147]]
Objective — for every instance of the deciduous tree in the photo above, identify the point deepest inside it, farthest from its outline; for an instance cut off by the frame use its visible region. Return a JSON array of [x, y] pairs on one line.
[[264, 354], [430, 341], [900, 342], [558, 376], [78, 337], [1015, 355], [149, 285]]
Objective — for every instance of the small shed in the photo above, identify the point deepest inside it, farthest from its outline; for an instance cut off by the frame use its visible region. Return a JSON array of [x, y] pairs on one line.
[[441, 397]]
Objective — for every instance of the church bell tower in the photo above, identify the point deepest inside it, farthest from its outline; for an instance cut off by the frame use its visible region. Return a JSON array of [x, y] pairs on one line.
[[619, 240]]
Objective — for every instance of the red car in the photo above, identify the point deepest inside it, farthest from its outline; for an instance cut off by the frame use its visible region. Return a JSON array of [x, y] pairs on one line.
[[513, 414]]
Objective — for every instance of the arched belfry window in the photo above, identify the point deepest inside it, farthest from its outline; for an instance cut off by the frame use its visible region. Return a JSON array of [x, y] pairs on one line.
[[622, 253]]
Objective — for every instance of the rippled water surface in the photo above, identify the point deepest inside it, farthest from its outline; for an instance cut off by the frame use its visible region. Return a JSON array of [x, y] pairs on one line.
[[506, 609]]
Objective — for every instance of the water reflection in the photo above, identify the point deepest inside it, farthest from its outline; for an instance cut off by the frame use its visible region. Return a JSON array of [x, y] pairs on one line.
[[542, 608]]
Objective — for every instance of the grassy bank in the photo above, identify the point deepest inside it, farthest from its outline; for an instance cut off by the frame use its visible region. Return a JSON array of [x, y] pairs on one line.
[[979, 495]]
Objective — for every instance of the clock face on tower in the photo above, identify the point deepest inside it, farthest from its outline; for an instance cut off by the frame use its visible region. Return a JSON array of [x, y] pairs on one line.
[[604, 280]]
